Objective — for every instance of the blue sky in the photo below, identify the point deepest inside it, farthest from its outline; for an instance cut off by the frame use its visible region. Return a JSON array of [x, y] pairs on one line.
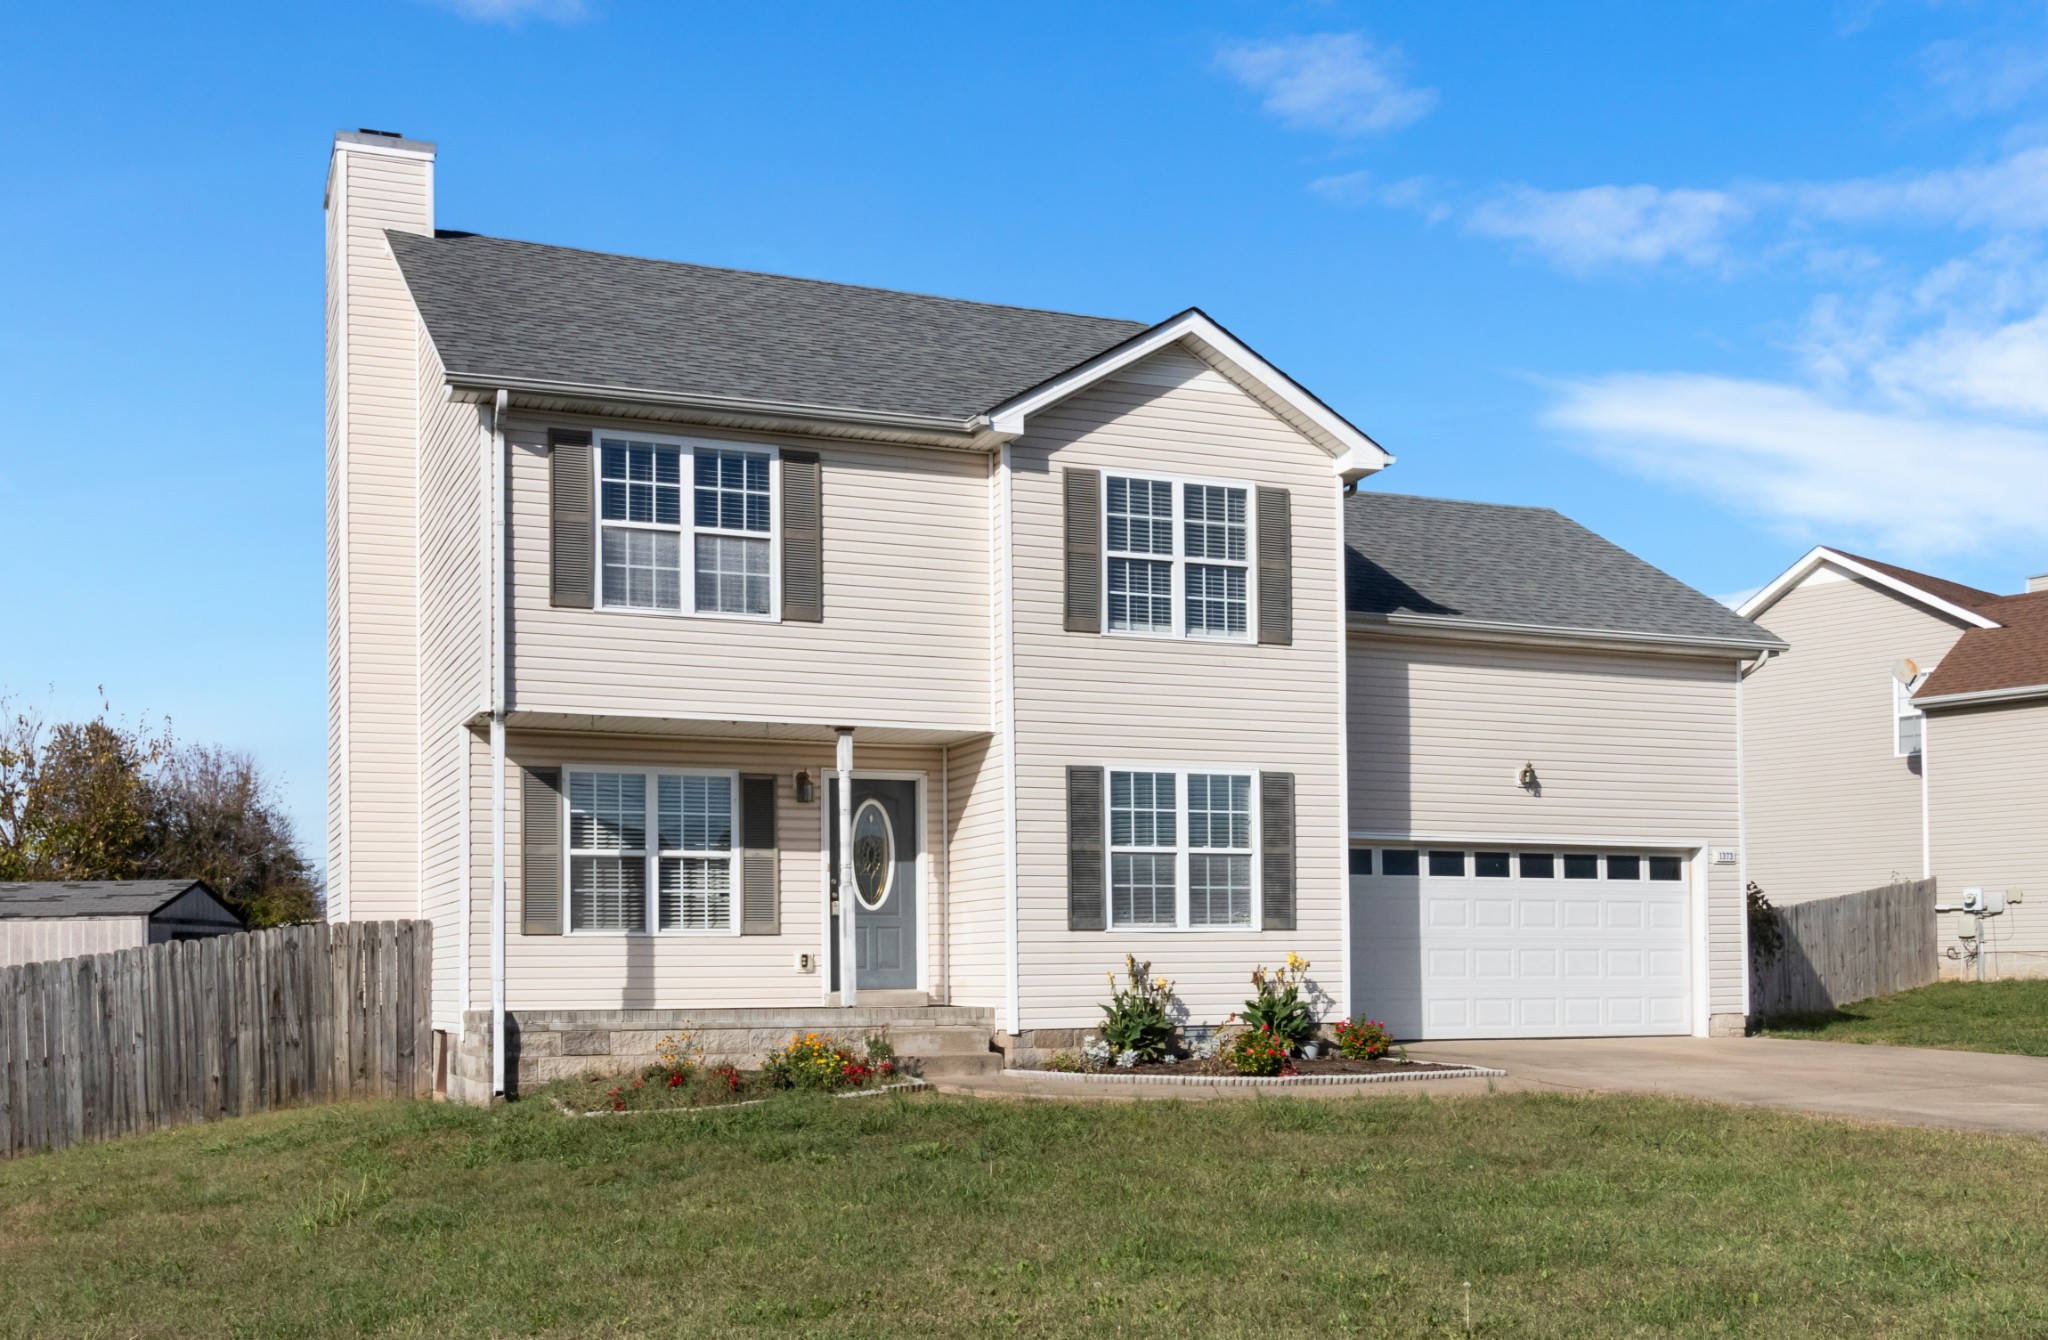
[[1720, 280]]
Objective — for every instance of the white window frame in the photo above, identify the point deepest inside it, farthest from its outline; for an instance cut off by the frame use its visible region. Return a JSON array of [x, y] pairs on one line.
[[653, 853], [1904, 711], [1179, 561], [1181, 850], [687, 530]]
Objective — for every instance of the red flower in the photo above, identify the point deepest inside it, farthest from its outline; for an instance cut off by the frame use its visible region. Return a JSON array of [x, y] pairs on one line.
[[675, 1080]]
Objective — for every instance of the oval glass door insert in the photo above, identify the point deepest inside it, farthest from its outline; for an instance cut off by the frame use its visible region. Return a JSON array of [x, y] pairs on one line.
[[874, 854]]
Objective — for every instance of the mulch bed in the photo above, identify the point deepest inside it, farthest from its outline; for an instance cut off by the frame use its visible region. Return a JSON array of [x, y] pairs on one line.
[[1194, 1067]]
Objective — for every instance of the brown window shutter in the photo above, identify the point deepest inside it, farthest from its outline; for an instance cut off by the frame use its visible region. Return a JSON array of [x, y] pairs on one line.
[[760, 899], [572, 520], [540, 847], [1084, 551], [803, 537], [1087, 909], [1276, 568], [1276, 851]]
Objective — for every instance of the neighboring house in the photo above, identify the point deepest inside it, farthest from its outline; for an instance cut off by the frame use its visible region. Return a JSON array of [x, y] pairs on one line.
[[631, 561], [1902, 736], [1544, 762], [48, 920]]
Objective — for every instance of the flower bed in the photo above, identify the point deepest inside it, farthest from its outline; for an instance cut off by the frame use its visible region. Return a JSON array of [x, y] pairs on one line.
[[1220, 1067], [681, 1082]]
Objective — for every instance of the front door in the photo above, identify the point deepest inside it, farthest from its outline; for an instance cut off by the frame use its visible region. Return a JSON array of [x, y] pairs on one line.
[[882, 895]]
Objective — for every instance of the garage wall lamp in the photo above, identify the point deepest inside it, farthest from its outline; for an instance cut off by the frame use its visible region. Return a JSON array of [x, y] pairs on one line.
[[805, 791], [1528, 780]]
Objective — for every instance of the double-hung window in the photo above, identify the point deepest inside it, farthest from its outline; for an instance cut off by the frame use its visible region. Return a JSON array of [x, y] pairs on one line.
[[686, 526], [1178, 556], [1178, 831], [1908, 723], [673, 876]]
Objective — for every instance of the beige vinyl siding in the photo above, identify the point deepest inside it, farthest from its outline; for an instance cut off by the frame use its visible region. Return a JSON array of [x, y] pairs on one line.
[[454, 588], [336, 554], [40, 939], [378, 829], [1831, 811], [594, 972], [904, 642], [977, 966], [1101, 699], [1630, 750], [1988, 792]]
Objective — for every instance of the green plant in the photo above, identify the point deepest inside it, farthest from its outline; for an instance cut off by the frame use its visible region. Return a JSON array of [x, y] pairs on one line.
[[811, 1061], [1065, 1062], [1278, 1007], [681, 1058], [1766, 927], [1139, 1015], [1365, 1040], [1259, 1051]]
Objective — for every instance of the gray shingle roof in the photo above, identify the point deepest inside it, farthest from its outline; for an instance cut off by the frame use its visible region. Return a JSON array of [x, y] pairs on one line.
[[90, 897], [524, 312], [1529, 566]]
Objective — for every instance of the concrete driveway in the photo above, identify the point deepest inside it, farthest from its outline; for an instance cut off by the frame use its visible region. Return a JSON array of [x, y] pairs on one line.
[[1970, 1091]]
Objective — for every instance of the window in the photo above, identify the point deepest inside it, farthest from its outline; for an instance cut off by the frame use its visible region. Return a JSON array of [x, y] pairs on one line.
[[1187, 539], [1581, 867], [1519, 865], [1490, 864], [1175, 830], [619, 881], [1361, 860], [1446, 863], [1908, 723], [1400, 862], [1624, 867], [1538, 865], [1665, 867], [645, 529]]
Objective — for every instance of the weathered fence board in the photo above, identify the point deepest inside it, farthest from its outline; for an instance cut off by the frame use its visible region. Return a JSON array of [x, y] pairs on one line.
[[1841, 950], [167, 1034]]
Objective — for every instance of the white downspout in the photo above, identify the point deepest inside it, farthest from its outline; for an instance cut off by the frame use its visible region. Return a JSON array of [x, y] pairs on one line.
[[495, 632], [945, 875], [848, 992]]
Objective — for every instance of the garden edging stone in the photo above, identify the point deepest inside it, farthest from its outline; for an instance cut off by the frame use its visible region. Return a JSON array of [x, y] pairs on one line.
[[1270, 1081]]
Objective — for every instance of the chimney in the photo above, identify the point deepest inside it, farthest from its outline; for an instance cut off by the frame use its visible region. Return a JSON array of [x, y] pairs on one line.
[[376, 180], [2038, 582]]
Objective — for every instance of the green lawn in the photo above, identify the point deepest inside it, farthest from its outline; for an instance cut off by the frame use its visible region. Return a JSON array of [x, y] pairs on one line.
[[934, 1215], [2009, 1016]]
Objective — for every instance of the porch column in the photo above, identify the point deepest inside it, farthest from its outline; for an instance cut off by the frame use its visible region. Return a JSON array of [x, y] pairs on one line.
[[848, 992]]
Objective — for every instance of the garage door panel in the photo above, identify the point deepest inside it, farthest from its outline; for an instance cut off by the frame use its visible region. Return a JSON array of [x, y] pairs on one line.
[[1472, 957]]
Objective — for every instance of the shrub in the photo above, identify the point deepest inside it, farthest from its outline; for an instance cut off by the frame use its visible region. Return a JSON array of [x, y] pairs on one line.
[[1278, 1007], [1766, 929], [1065, 1062], [1138, 1018], [681, 1058], [1258, 1051], [809, 1061], [1363, 1041]]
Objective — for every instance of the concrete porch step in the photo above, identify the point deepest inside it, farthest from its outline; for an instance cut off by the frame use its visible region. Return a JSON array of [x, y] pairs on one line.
[[957, 1065]]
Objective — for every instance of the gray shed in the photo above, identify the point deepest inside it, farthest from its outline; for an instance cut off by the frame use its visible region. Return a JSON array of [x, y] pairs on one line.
[[98, 916]]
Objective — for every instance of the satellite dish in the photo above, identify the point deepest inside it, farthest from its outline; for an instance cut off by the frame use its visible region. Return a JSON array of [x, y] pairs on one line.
[[1905, 671]]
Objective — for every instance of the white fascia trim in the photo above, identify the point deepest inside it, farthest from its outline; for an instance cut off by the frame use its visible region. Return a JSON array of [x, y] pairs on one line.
[[1483, 630], [1983, 696], [480, 384], [1820, 554], [1356, 454]]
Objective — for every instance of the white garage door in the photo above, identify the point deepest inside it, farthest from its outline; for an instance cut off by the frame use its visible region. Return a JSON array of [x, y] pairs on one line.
[[1451, 943]]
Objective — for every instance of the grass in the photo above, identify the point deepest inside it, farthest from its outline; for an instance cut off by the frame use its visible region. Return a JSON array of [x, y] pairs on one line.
[[927, 1214], [2009, 1016]]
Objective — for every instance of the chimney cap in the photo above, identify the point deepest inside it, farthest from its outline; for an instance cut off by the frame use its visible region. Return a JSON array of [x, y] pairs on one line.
[[383, 141]]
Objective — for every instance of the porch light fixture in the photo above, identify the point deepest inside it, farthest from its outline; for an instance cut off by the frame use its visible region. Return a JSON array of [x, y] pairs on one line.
[[1527, 778], [806, 790]]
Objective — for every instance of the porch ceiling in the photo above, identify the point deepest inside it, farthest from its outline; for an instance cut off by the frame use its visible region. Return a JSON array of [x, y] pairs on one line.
[[803, 732]]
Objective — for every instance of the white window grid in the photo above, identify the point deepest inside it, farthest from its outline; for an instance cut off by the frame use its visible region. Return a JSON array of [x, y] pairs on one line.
[[1177, 557], [683, 529], [1560, 859], [680, 857], [1204, 838], [1909, 723]]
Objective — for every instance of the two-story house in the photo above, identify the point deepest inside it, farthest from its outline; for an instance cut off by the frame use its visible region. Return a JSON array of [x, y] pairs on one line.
[[1902, 736], [771, 653]]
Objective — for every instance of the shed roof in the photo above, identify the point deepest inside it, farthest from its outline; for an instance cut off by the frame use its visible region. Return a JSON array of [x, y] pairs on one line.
[[93, 897], [1441, 561]]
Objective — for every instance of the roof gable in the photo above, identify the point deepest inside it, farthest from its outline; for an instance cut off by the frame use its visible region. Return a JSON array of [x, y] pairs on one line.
[[1965, 603], [97, 897], [2009, 660]]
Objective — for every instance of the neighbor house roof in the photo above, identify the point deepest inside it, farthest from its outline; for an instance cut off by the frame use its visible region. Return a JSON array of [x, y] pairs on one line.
[[93, 897], [1437, 562], [2010, 660], [506, 312]]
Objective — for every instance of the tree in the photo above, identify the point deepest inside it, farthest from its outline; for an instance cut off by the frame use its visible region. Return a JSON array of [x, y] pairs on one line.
[[215, 818]]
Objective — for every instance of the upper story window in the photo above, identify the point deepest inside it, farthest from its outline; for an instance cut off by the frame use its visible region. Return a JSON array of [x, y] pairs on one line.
[[727, 531], [673, 876], [1178, 556], [1908, 722], [1170, 831]]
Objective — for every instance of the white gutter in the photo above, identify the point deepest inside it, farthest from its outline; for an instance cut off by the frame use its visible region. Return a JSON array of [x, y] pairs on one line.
[[1433, 625], [495, 652], [972, 425], [1982, 696]]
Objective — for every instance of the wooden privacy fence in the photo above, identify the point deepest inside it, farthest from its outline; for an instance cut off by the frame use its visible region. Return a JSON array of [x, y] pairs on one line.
[[1839, 950], [169, 1034]]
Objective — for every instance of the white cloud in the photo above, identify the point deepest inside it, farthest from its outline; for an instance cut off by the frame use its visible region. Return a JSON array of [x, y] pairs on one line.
[[1916, 486], [1340, 83], [515, 12], [1603, 226], [1993, 74], [1362, 188], [2011, 193]]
